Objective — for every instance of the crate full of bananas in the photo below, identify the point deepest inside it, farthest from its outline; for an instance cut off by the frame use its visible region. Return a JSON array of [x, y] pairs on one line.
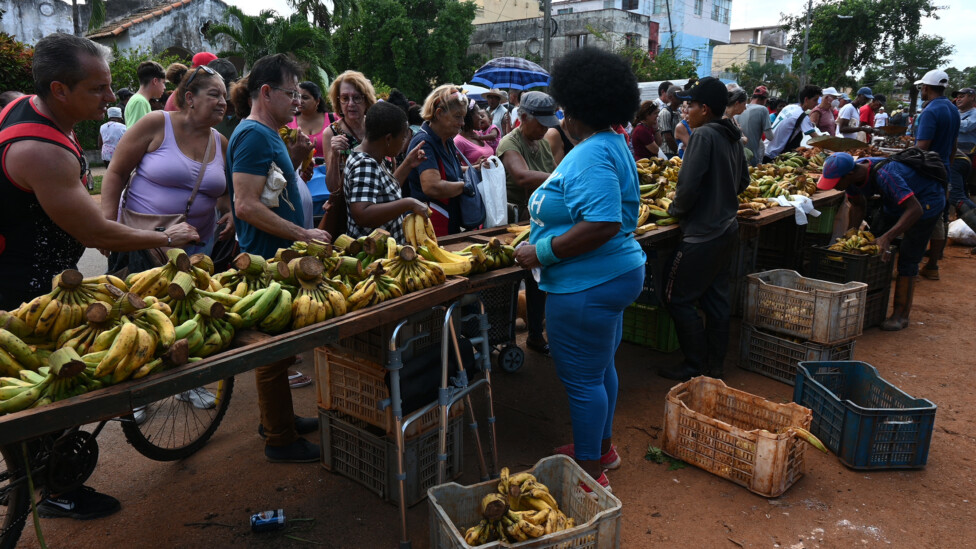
[[537, 508]]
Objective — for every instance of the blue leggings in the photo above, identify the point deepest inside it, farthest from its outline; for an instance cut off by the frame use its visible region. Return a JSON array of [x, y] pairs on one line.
[[584, 332]]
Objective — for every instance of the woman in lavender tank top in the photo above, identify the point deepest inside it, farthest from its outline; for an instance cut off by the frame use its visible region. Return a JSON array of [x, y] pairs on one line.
[[166, 151]]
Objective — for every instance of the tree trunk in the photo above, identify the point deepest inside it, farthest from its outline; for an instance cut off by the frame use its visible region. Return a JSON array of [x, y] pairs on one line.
[[912, 100], [76, 17]]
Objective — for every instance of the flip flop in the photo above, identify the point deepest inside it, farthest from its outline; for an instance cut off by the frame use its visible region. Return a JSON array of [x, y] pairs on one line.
[[299, 379]]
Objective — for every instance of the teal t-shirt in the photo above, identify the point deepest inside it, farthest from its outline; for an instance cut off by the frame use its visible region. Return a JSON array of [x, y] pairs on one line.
[[137, 107], [251, 150], [596, 182]]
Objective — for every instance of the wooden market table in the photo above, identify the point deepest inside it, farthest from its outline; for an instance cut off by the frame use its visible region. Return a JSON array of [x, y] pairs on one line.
[[252, 349]]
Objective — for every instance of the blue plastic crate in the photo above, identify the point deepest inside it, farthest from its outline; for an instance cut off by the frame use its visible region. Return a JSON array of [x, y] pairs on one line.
[[868, 422]]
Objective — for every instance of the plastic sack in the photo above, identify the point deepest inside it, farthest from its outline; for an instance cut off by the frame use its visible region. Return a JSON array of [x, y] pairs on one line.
[[493, 192], [802, 207], [960, 233], [274, 186]]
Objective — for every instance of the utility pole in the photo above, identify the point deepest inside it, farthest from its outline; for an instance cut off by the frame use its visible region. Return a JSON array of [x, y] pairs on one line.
[[546, 34], [806, 43]]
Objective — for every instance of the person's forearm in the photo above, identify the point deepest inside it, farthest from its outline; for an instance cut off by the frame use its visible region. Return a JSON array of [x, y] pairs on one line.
[[443, 190], [529, 179], [672, 143], [376, 215], [856, 214], [583, 237], [263, 219], [112, 236], [223, 204], [402, 172], [112, 186]]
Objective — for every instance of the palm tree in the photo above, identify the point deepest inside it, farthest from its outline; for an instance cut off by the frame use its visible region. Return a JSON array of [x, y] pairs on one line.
[[319, 13], [268, 33], [96, 17]]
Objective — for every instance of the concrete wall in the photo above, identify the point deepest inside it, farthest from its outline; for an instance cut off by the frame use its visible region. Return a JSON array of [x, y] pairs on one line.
[[524, 37], [179, 28], [493, 11], [31, 20]]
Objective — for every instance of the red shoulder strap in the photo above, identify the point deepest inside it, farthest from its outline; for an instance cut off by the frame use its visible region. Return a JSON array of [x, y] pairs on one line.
[[36, 130]]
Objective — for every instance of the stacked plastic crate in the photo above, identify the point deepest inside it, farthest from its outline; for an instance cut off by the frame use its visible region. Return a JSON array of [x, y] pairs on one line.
[[646, 322], [790, 318], [825, 264]]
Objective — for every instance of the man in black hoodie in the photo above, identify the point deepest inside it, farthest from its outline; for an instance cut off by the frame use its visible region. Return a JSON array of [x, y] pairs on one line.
[[713, 173]]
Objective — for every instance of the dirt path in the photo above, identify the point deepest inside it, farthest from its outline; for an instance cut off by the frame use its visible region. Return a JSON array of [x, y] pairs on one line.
[[205, 501]]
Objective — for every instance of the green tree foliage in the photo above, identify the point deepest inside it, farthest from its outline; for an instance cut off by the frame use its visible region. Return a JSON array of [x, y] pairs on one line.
[[268, 33], [321, 15], [663, 66], [775, 76], [912, 59], [15, 65], [838, 47], [411, 44], [962, 78]]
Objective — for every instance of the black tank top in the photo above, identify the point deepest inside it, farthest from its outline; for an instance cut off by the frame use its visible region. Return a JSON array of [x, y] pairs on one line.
[[567, 144], [33, 249]]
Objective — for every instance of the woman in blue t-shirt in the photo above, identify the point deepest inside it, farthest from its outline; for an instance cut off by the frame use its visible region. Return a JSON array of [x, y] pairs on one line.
[[587, 261]]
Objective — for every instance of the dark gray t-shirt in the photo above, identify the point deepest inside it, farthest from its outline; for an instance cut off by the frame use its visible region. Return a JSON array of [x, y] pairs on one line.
[[754, 121]]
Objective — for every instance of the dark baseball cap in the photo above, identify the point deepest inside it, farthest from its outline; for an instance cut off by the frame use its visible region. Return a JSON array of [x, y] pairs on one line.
[[541, 106], [708, 91], [964, 91], [835, 167], [760, 91]]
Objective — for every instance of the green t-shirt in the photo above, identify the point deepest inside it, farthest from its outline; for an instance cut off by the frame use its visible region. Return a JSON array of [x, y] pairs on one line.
[[537, 156], [137, 107]]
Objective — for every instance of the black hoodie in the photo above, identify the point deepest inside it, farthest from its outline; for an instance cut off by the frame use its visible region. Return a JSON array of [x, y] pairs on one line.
[[713, 173]]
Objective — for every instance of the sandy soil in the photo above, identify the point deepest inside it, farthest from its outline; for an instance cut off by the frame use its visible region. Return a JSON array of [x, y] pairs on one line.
[[205, 501]]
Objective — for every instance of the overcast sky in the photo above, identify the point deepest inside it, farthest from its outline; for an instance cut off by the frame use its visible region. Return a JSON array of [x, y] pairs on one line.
[[955, 21]]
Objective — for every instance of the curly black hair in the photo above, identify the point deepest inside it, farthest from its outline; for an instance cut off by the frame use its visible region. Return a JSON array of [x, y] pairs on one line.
[[583, 74]]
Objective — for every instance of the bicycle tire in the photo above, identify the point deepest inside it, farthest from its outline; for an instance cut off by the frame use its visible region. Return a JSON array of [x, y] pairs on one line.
[[175, 429], [14, 496]]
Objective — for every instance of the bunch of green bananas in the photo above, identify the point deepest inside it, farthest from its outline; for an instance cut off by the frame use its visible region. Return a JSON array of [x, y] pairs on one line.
[[15, 355], [251, 273], [856, 242], [490, 256], [267, 308], [205, 335], [66, 375], [413, 272], [791, 159]]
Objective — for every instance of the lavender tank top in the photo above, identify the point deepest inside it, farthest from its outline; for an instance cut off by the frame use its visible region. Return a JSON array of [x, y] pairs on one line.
[[164, 180]]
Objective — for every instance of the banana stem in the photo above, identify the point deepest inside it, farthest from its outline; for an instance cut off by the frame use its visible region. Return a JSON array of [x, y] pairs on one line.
[[249, 264], [319, 248], [179, 259], [343, 241], [97, 312], [181, 286], [70, 279], [202, 261]]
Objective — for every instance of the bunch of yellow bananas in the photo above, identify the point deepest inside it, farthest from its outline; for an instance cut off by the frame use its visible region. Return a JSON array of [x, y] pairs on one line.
[[413, 272], [290, 136], [49, 315], [417, 229], [376, 288], [522, 509], [251, 272], [856, 242], [156, 281], [15, 355], [316, 298], [490, 256]]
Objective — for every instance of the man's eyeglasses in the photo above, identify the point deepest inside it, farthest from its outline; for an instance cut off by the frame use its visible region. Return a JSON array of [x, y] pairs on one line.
[[346, 99], [295, 95], [196, 71]]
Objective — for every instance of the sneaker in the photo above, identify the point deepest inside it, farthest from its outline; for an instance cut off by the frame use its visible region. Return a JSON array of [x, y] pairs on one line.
[[139, 415], [929, 273], [303, 425], [299, 379], [679, 372], [537, 344], [81, 504], [603, 481], [300, 451], [199, 398], [609, 460]]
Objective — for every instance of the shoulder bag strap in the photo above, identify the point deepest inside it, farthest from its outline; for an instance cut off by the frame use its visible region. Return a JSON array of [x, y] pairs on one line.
[[196, 185]]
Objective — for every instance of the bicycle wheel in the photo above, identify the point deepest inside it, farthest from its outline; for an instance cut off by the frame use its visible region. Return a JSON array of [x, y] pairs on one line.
[[174, 427], [14, 496]]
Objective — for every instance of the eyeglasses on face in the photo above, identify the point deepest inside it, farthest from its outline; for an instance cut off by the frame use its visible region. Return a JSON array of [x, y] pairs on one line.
[[295, 95], [356, 99], [196, 71]]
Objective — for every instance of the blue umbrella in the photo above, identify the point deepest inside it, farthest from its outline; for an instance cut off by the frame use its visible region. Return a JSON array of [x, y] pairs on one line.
[[511, 73]]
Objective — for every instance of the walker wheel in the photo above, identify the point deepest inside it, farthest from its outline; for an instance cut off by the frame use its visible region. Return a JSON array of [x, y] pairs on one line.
[[511, 358]]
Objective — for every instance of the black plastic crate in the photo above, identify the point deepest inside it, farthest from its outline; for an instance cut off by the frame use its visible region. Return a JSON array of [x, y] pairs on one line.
[[743, 263], [365, 454], [868, 422], [825, 264], [780, 245], [501, 306], [372, 345], [876, 310], [653, 274], [777, 357]]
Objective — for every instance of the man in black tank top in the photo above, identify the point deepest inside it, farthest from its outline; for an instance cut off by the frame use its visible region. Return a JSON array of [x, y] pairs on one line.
[[47, 218]]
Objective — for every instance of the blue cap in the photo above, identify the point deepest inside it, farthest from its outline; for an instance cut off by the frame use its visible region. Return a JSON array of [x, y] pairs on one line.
[[866, 92], [835, 167]]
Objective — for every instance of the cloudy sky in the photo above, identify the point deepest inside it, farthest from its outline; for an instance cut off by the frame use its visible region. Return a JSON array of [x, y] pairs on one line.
[[954, 23]]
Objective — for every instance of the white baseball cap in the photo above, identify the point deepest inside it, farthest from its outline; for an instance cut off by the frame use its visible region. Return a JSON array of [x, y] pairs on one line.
[[830, 91], [934, 78], [114, 112]]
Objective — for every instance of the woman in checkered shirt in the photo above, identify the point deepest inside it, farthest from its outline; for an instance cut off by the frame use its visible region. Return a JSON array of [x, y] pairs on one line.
[[373, 193]]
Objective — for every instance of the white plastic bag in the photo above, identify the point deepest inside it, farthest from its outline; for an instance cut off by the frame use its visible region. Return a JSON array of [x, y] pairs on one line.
[[274, 186], [960, 233], [493, 192]]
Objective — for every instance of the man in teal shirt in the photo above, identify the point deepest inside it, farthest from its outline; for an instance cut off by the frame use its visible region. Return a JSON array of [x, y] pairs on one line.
[[152, 84]]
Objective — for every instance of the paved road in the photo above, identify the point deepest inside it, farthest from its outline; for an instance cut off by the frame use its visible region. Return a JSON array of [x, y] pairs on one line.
[[92, 263]]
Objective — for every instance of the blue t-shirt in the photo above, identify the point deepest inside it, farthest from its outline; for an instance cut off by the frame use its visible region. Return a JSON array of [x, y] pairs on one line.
[[251, 150], [939, 122], [438, 155], [595, 182], [896, 183]]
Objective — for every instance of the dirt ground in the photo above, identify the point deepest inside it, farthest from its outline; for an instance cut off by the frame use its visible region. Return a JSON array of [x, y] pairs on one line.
[[205, 501]]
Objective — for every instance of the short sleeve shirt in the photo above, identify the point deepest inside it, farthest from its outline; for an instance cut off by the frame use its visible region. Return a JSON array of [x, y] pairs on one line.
[[137, 107], [251, 150], [442, 158], [939, 122], [667, 121], [784, 129], [366, 180], [849, 112], [595, 182], [641, 137], [867, 115], [538, 159], [896, 183], [111, 133]]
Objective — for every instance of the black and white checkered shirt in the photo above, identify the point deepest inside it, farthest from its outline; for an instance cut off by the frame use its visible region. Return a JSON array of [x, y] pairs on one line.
[[366, 180]]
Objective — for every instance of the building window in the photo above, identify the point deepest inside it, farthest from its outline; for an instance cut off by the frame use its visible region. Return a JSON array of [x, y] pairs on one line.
[[720, 11], [496, 49], [694, 56], [652, 47], [631, 40], [577, 41], [629, 4], [752, 54], [699, 6], [660, 6], [564, 11]]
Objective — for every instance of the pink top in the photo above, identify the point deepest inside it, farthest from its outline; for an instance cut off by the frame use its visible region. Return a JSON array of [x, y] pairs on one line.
[[316, 138], [492, 141], [171, 105], [164, 180], [471, 150]]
